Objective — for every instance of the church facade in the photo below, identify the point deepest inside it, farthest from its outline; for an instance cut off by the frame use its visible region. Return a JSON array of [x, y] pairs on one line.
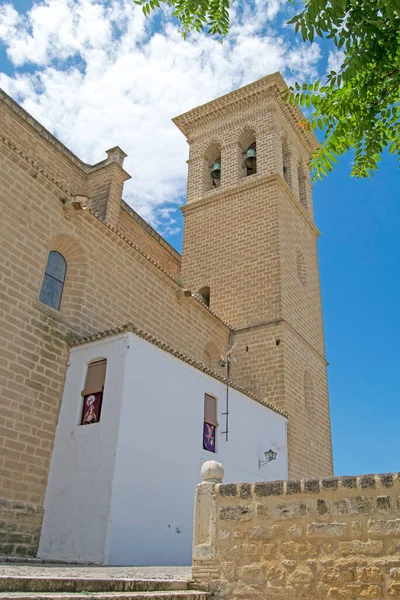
[[120, 490], [80, 269]]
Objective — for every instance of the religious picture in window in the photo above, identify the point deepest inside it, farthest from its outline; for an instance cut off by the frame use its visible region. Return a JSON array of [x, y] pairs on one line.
[[210, 422], [93, 392], [91, 409]]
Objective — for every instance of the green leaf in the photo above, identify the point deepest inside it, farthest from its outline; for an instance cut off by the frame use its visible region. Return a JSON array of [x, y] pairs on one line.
[[358, 107]]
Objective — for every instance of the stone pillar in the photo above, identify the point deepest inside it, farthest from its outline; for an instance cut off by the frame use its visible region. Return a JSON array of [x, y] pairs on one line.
[[196, 168], [269, 145], [205, 516]]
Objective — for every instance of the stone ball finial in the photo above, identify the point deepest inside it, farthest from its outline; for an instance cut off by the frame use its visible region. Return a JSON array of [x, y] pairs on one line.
[[212, 472]]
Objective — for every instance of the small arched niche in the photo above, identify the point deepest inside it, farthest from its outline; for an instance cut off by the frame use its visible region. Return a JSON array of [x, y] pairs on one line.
[[212, 167], [301, 266], [309, 392], [247, 152], [207, 359], [204, 295], [211, 356]]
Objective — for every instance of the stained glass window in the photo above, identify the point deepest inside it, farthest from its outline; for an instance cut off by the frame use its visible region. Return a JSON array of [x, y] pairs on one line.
[[53, 281], [210, 422]]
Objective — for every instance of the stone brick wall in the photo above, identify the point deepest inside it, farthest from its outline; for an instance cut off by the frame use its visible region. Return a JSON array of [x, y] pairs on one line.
[[243, 239], [337, 537], [111, 280], [240, 239], [20, 524], [135, 228]]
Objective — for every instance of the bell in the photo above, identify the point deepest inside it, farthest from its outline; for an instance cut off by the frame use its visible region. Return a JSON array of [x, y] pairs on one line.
[[216, 171], [250, 160]]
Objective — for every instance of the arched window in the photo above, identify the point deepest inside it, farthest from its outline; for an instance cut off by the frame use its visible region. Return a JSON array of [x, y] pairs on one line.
[[301, 175], [247, 153], [287, 175], [204, 295], [301, 266], [53, 281], [212, 166], [93, 392]]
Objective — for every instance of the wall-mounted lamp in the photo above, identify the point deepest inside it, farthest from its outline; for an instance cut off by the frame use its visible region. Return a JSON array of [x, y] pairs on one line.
[[269, 455]]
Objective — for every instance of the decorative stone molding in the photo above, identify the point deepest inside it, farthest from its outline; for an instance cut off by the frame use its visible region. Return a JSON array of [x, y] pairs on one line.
[[116, 155], [74, 204], [255, 181], [266, 89]]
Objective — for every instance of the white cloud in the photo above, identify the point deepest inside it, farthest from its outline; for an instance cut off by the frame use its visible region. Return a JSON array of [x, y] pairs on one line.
[[335, 60], [97, 76]]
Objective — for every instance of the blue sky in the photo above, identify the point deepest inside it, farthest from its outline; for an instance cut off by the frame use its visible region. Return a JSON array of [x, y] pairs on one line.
[[359, 253], [98, 74]]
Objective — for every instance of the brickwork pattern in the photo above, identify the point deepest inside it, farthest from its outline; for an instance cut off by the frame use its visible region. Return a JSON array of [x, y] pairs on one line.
[[244, 282], [20, 525], [333, 538], [240, 239], [253, 241], [38, 143], [129, 223], [109, 281]]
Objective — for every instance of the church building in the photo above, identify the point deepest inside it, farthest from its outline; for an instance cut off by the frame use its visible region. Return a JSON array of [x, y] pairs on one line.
[[124, 366]]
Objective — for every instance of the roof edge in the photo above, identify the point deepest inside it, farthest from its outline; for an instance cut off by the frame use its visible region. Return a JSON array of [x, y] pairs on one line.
[[48, 136], [131, 328], [186, 121], [150, 230]]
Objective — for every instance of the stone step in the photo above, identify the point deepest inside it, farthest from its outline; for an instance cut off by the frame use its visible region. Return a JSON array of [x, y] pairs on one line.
[[154, 595], [89, 584]]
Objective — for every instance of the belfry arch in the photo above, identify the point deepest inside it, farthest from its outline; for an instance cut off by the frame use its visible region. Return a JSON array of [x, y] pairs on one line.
[[247, 152]]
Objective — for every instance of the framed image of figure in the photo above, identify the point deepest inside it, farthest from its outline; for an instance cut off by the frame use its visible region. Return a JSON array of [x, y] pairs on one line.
[[91, 408], [93, 392], [209, 437]]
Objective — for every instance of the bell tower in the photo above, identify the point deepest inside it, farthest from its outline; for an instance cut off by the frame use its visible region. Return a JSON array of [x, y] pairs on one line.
[[250, 239]]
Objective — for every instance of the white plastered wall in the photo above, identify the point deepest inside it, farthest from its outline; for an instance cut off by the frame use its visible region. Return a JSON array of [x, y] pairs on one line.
[[150, 444], [81, 473]]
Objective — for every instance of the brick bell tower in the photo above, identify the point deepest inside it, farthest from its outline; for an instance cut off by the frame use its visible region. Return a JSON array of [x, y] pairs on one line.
[[250, 241]]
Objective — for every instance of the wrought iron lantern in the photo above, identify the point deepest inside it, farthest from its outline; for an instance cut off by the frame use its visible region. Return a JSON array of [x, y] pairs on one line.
[[269, 455]]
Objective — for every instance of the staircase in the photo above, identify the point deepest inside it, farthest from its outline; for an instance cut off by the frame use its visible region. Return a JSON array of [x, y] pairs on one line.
[[60, 583]]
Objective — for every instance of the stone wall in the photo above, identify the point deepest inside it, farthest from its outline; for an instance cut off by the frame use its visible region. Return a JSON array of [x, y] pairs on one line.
[[337, 537], [20, 524], [148, 240], [252, 240], [113, 277]]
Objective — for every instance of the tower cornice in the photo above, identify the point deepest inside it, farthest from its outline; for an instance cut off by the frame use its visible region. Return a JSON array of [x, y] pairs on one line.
[[253, 182], [268, 89]]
